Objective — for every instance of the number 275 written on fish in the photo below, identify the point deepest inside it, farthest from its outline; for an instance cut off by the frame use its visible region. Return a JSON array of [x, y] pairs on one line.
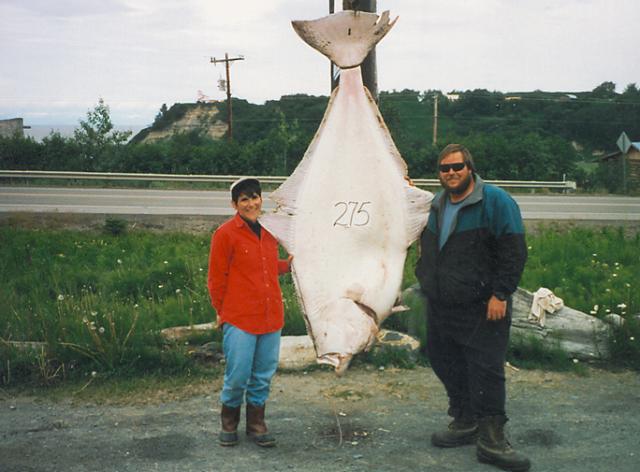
[[351, 214]]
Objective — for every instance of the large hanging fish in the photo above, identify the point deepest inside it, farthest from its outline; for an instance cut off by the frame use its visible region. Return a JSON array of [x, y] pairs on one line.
[[348, 213]]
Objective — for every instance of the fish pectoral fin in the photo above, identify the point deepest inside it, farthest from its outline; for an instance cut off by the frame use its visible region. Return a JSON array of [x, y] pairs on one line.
[[418, 206], [281, 227]]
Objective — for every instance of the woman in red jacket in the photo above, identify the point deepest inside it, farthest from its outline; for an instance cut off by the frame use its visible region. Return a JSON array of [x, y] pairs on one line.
[[245, 292]]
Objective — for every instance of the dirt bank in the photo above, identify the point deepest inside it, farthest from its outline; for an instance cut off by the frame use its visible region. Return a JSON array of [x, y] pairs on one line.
[[368, 420]]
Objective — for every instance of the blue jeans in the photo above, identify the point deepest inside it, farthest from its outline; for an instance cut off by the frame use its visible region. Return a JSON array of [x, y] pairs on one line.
[[251, 362]]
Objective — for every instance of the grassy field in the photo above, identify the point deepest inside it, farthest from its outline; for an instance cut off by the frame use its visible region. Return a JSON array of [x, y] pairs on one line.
[[99, 300]]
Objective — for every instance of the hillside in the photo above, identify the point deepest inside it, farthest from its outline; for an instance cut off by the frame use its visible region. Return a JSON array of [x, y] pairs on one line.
[[184, 118]]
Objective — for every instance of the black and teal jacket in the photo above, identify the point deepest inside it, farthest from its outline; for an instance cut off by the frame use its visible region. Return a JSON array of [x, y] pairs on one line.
[[484, 255]]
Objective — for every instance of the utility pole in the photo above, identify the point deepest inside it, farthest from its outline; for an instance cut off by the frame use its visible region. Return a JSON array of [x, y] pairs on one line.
[[435, 118], [369, 69], [227, 60]]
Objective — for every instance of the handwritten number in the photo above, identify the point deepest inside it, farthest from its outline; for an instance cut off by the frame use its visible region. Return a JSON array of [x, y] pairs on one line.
[[346, 207], [352, 214]]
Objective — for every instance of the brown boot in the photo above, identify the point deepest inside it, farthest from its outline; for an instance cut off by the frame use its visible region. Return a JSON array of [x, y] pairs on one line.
[[229, 419], [461, 431], [256, 427], [493, 447]]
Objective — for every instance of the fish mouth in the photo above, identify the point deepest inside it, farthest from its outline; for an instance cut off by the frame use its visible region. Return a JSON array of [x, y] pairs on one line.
[[340, 362]]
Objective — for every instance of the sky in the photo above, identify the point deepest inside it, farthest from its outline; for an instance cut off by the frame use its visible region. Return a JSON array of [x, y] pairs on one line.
[[58, 57]]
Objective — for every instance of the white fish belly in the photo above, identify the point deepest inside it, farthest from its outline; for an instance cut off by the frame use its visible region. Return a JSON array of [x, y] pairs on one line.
[[350, 227]]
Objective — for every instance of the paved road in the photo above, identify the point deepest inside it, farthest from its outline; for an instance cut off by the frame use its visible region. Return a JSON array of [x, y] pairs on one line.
[[189, 202]]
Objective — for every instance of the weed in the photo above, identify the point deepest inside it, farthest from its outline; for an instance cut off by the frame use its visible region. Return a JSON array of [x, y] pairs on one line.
[[115, 226]]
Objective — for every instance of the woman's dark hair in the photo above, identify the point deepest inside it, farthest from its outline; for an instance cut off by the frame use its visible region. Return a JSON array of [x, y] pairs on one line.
[[248, 187]]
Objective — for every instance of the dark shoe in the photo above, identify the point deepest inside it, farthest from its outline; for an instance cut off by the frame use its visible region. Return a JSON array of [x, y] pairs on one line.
[[459, 433], [493, 448], [256, 427], [229, 419]]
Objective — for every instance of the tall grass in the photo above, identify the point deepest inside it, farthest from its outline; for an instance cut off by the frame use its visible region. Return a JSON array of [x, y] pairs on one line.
[[98, 301]]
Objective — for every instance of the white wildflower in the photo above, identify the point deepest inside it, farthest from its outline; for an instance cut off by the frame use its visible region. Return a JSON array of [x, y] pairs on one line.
[[101, 330], [94, 373], [160, 286], [177, 290], [621, 305], [119, 261], [575, 361], [94, 313], [594, 254], [631, 338], [60, 297], [166, 262], [85, 320]]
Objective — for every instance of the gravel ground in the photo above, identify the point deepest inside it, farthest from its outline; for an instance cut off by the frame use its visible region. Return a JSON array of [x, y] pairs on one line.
[[368, 420]]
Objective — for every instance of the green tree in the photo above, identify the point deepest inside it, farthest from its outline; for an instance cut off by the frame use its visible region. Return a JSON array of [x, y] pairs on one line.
[[98, 140]]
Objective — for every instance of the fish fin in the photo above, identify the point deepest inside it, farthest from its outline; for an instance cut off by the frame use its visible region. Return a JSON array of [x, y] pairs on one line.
[[286, 195], [345, 37], [418, 205], [281, 227]]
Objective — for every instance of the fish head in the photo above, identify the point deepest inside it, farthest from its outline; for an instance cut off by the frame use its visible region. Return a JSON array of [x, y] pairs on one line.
[[343, 328]]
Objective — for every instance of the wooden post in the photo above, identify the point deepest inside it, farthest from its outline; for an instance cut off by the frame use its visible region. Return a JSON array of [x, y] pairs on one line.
[[227, 60]]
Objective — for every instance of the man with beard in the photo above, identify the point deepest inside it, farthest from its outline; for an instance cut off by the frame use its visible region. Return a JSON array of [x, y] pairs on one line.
[[472, 256]]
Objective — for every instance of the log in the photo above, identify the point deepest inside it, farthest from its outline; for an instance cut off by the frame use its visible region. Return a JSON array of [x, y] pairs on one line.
[[581, 335]]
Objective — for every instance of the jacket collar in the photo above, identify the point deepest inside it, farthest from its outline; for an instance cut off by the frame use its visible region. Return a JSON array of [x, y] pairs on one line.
[[474, 197]]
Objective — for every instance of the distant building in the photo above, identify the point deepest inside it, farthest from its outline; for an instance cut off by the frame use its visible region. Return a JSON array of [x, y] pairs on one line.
[[9, 128], [631, 162]]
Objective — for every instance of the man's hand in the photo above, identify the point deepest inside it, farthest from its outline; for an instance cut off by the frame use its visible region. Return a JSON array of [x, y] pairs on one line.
[[496, 309]]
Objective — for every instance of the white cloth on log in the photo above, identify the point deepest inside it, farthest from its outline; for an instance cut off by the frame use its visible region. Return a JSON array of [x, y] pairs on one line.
[[544, 301]]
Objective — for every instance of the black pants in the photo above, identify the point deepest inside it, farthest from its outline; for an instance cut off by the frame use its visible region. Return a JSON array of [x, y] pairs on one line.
[[467, 353]]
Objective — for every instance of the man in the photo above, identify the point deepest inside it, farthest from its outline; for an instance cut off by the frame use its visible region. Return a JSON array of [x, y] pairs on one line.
[[473, 253], [244, 288]]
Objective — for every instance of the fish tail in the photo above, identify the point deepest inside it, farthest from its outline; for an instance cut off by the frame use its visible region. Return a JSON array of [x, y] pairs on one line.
[[345, 37]]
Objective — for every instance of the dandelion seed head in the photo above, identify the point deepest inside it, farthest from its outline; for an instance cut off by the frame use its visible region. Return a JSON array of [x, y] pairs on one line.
[[101, 330]]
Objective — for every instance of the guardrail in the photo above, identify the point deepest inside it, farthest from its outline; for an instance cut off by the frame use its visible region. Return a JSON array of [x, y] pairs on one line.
[[41, 174]]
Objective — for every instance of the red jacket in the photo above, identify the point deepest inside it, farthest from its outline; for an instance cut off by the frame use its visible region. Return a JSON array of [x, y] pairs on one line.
[[243, 278]]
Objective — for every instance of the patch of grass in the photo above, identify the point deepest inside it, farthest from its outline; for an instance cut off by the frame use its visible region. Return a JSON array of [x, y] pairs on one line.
[[531, 353], [98, 301]]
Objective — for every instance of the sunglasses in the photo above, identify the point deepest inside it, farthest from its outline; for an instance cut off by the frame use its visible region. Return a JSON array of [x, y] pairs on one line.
[[457, 167]]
